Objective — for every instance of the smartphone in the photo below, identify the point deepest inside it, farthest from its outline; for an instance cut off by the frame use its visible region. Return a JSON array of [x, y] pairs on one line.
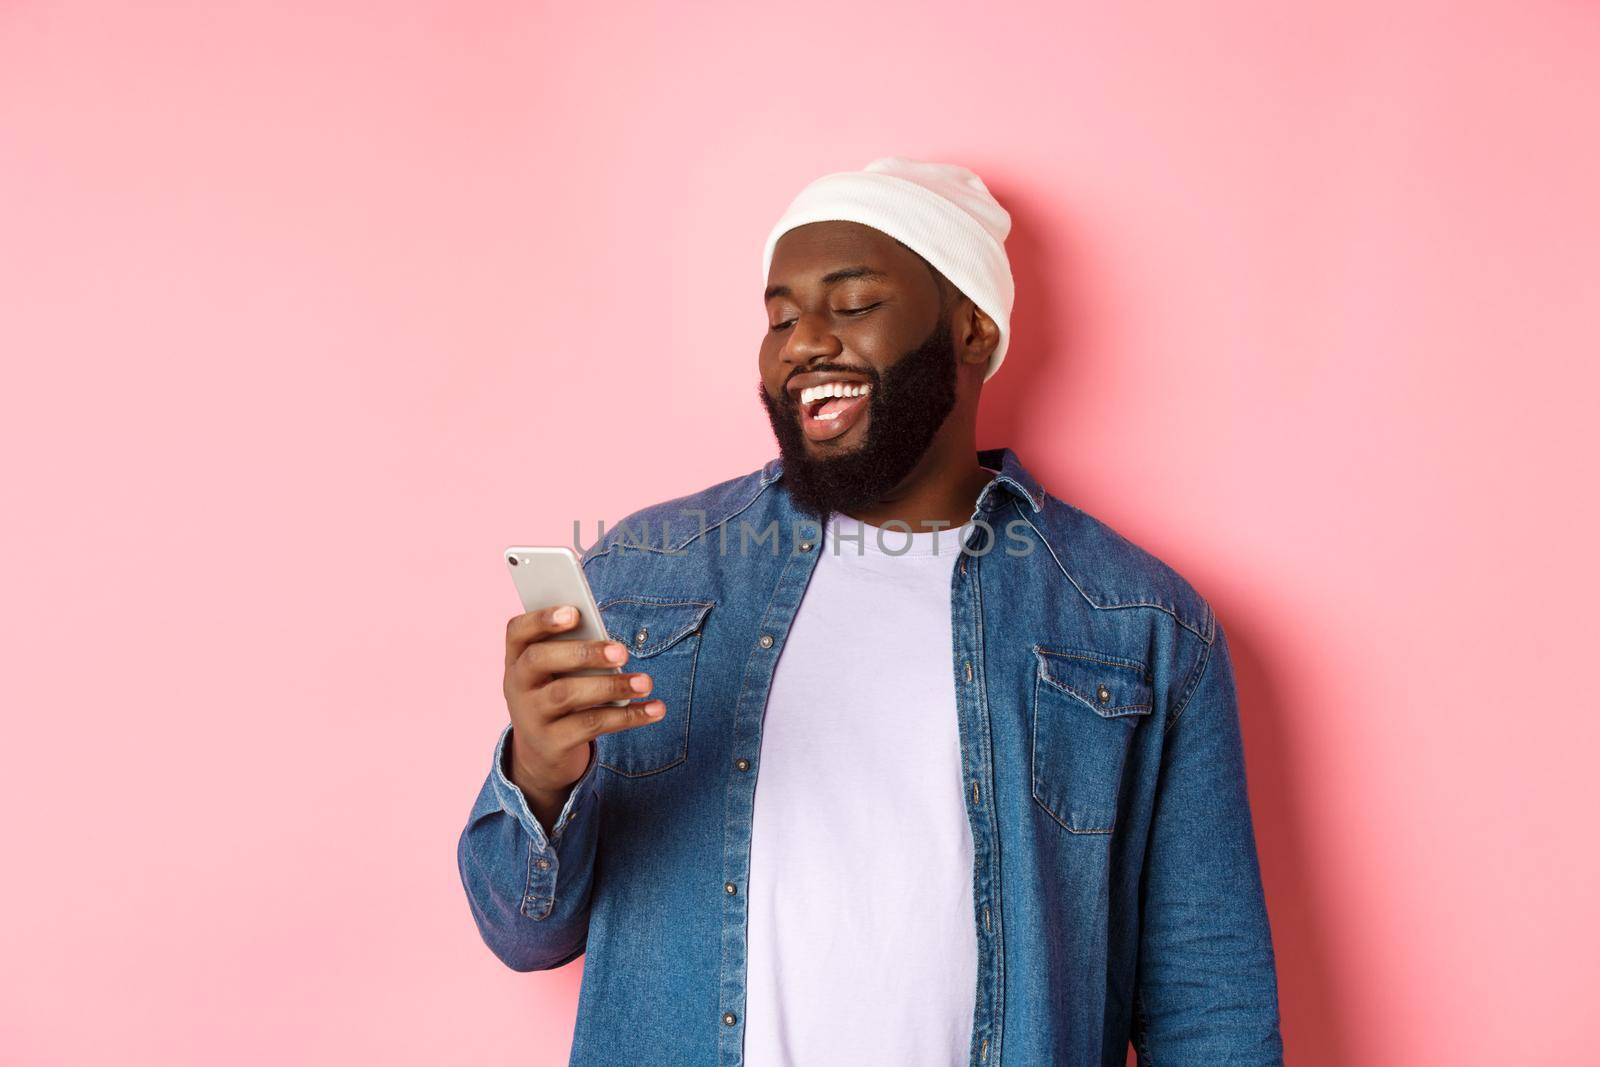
[[547, 577]]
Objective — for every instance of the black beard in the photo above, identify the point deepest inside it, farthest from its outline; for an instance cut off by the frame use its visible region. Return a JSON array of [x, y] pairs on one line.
[[906, 406]]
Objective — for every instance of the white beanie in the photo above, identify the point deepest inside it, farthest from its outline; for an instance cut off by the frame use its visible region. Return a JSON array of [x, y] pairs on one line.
[[942, 212]]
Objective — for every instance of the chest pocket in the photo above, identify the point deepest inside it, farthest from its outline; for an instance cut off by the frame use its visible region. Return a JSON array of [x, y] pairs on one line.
[[1085, 708], [663, 640]]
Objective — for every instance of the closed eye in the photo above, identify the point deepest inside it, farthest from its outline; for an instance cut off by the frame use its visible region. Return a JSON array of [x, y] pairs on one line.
[[852, 312]]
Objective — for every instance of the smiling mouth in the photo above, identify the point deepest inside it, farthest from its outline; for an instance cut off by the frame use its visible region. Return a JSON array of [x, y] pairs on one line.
[[829, 410]]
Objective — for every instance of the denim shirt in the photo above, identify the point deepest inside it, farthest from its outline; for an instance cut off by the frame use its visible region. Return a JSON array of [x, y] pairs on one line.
[[1117, 892]]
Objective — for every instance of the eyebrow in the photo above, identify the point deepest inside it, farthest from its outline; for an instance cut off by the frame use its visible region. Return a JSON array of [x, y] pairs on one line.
[[831, 278]]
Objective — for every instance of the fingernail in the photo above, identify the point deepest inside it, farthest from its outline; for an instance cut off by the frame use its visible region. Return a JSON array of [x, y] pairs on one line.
[[654, 709], [616, 653], [640, 683], [565, 615]]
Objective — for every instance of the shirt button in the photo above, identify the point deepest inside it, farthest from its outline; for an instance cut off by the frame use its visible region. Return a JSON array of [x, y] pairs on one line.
[[729, 888], [805, 546], [640, 637], [766, 641], [742, 764], [1103, 694], [729, 1018], [543, 865]]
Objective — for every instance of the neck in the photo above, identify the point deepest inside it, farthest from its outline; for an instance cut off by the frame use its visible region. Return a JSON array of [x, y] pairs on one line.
[[941, 491]]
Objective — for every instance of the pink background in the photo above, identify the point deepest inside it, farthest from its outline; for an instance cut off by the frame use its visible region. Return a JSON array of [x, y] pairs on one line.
[[307, 309]]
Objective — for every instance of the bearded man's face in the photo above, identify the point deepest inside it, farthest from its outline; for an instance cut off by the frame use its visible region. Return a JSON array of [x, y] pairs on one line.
[[904, 408], [858, 367]]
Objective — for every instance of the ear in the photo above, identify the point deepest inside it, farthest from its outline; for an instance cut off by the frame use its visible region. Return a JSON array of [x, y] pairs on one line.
[[976, 335]]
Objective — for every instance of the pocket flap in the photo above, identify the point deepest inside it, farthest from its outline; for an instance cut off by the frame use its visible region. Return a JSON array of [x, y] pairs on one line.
[[647, 625], [1112, 686]]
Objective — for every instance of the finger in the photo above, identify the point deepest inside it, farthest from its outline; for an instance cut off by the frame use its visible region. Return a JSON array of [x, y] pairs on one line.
[[569, 693], [532, 626], [586, 725], [541, 660]]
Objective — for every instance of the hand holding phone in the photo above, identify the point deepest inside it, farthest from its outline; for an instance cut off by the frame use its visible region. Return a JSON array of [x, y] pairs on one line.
[[564, 684]]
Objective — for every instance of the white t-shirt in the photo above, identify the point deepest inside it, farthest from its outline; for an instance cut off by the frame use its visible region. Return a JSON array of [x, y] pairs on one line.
[[862, 944]]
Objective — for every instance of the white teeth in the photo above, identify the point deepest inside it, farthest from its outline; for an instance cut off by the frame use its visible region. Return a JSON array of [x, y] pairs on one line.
[[829, 390]]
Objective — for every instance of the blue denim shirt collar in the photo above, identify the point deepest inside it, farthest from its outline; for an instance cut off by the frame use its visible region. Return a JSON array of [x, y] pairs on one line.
[[1013, 478]]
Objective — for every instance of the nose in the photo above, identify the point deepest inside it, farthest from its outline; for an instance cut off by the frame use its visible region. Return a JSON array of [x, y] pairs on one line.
[[810, 339]]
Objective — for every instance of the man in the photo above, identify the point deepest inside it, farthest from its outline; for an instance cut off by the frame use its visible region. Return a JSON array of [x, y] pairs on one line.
[[923, 766]]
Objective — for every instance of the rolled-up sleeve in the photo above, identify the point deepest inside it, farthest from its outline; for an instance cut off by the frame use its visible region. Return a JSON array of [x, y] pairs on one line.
[[1207, 989], [529, 892]]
